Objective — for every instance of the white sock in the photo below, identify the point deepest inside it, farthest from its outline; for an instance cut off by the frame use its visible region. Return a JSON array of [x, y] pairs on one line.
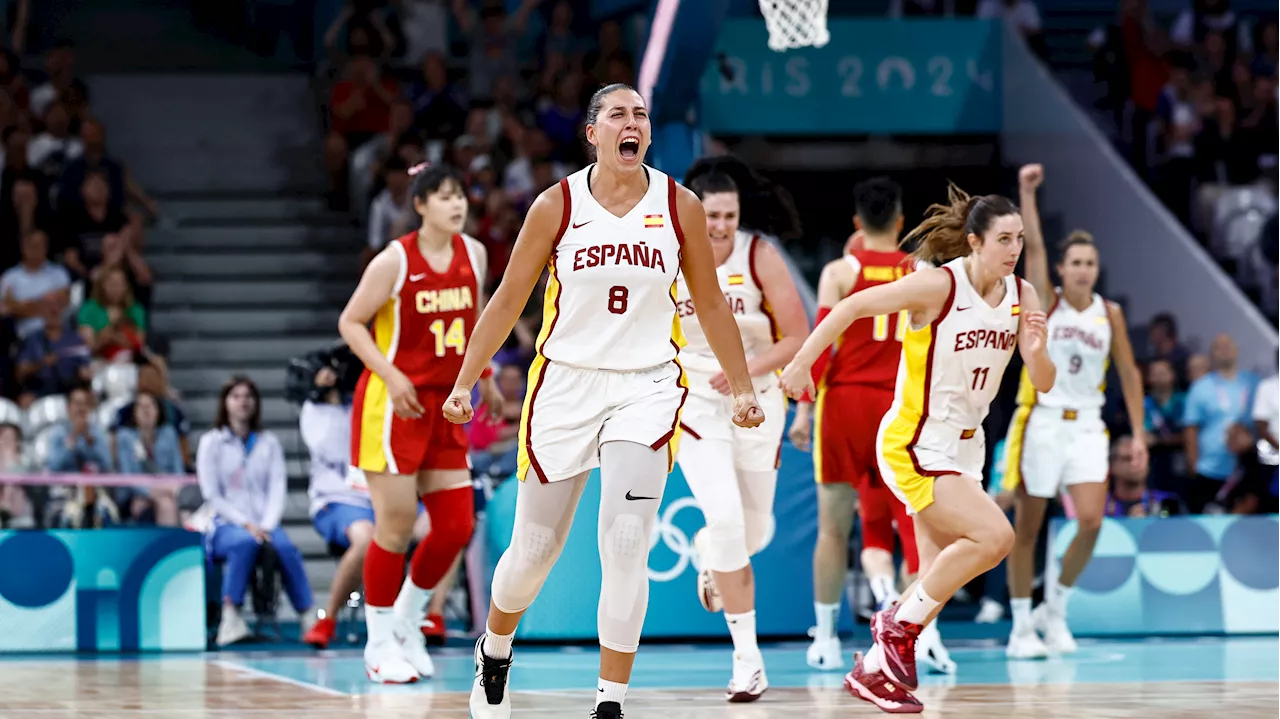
[[411, 602], [497, 646], [916, 608], [827, 615], [1021, 613], [1058, 597], [742, 629], [380, 622], [871, 662], [608, 691], [883, 588]]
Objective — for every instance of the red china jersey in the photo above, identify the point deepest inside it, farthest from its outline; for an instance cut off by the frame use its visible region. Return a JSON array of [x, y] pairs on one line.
[[424, 327], [869, 350]]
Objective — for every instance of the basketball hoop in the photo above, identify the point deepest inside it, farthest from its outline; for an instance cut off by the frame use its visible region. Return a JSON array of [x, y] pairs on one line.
[[795, 23]]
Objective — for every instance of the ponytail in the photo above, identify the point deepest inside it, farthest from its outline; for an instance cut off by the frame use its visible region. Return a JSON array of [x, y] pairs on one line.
[[766, 206], [944, 234]]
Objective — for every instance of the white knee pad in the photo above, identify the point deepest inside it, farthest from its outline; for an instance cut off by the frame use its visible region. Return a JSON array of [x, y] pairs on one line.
[[624, 590], [723, 546], [760, 527], [524, 566]]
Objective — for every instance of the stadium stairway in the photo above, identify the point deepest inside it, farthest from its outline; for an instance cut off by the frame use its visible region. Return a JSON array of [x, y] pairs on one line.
[[251, 269]]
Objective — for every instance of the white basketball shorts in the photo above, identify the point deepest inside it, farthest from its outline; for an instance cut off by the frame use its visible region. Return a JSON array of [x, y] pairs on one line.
[[1050, 448], [709, 415], [570, 411]]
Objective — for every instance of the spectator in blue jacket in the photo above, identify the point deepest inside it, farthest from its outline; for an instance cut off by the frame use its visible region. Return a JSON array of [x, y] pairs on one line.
[[148, 447], [242, 477], [1216, 403]]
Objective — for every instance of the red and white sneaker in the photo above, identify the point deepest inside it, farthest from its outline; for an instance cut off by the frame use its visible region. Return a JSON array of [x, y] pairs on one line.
[[897, 642], [320, 633], [880, 690]]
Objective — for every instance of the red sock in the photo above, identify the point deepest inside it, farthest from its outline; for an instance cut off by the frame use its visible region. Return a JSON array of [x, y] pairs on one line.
[[453, 519], [383, 575]]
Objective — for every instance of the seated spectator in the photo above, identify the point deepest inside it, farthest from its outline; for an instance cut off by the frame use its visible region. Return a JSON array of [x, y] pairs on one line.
[[77, 445], [368, 160], [492, 42], [149, 447], [60, 66], [360, 108], [493, 439], [1216, 403], [152, 380], [24, 195], [439, 108], [242, 477], [342, 516], [52, 360], [52, 150], [17, 510], [392, 209], [112, 323], [95, 159], [1164, 407], [1130, 496], [1163, 343], [37, 283], [91, 230]]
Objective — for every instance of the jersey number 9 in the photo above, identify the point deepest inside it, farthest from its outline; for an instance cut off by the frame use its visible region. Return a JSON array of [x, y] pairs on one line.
[[453, 338], [880, 327]]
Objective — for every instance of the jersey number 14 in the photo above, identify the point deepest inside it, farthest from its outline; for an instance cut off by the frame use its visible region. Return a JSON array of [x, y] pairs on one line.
[[455, 337]]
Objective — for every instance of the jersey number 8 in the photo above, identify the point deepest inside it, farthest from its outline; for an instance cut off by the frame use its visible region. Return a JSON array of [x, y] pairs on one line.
[[455, 337], [880, 328], [618, 299]]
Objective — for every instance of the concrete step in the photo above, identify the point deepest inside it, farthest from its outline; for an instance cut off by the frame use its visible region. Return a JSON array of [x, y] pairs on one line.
[[265, 207], [239, 264], [256, 238], [232, 293], [275, 410], [243, 322], [193, 352], [270, 378]]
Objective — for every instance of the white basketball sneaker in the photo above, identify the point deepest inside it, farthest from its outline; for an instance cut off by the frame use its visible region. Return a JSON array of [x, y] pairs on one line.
[[489, 696], [1053, 625], [384, 660], [931, 653], [708, 594], [413, 644], [825, 653], [1024, 643], [749, 681]]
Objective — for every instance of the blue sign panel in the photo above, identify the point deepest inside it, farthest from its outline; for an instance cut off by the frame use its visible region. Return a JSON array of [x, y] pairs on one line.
[[875, 76], [566, 607], [102, 590], [1176, 575]]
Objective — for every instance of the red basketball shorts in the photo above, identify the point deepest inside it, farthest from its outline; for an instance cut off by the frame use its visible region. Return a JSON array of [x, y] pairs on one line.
[[382, 442]]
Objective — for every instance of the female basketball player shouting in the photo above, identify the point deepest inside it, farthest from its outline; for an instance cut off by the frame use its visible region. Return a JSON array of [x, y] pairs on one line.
[[966, 317], [605, 387], [422, 293], [1058, 438], [733, 472]]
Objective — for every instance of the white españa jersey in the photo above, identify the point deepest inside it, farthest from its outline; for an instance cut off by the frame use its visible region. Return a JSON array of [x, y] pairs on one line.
[[610, 299], [741, 288], [1079, 343], [951, 369]]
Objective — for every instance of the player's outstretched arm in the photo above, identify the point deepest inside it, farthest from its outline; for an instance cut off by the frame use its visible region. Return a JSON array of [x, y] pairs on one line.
[[1033, 340], [528, 258], [1034, 251]]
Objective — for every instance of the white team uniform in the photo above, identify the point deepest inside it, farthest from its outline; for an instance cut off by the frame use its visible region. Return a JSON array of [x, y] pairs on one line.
[[606, 366], [949, 373], [708, 415], [1058, 438]]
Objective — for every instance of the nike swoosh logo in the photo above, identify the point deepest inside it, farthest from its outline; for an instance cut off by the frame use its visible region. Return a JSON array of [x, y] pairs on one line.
[[961, 309], [576, 225], [634, 498], [659, 380], [416, 278]]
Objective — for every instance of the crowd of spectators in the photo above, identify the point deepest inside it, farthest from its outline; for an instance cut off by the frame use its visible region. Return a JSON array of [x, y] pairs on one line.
[[84, 390]]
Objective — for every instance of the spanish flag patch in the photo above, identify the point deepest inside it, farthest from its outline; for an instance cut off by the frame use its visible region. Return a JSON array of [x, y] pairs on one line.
[[1017, 309], [653, 221], [735, 279]]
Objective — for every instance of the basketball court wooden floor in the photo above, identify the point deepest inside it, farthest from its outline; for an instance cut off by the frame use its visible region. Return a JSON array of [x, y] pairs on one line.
[[1175, 678]]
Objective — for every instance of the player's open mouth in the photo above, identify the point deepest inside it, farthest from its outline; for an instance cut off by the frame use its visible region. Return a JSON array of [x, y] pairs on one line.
[[629, 148]]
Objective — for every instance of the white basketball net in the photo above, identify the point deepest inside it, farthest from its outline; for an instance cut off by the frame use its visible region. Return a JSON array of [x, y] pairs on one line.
[[795, 23]]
